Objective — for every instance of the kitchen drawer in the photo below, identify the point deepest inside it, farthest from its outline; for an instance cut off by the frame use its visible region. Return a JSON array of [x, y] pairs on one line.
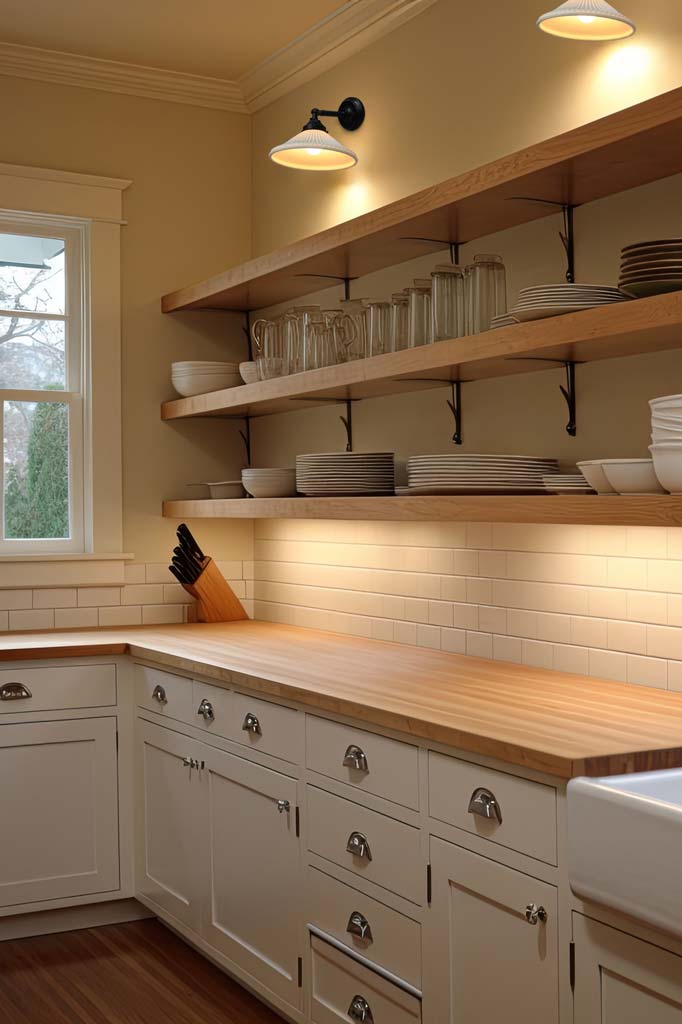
[[527, 809], [274, 729], [394, 848], [212, 708], [166, 694], [56, 688], [387, 768], [344, 990], [392, 941]]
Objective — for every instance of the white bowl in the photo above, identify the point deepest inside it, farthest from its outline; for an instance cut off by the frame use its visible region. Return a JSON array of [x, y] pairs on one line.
[[205, 383], [672, 401], [668, 466], [666, 434], [205, 364], [593, 471], [270, 483], [632, 476], [249, 372], [226, 489]]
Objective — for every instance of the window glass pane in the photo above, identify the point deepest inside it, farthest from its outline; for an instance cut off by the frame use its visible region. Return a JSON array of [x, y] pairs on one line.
[[36, 470], [32, 353], [32, 274]]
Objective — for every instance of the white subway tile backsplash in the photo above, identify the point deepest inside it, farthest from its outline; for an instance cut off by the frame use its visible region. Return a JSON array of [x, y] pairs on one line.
[[60, 597], [647, 671], [453, 640], [479, 591], [160, 614], [428, 636], [454, 588], [643, 606], [608, 665], [588, 632], [142, 593], [465, 616], [556, 628], [440, 613], [134, 572], [491, 619], [76, 618], [537, 654], [13, 599], [507, 648], [121, 615], [627, 636], [98, 597], [4, 621], [571, 659], [479, 645], [42, 618]]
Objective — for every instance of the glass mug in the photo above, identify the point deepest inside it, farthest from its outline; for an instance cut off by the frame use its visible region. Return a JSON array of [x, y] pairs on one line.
[[378, 327], [333, 336], [486, 292], [419, 313], [447, 302], [398, 329]]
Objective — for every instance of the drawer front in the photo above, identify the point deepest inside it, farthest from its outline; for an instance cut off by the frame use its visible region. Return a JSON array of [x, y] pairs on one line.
[[371, 763], [344, 990], [527, 809], [370, 928], [213, 708], [268, 727], [166, 694], [55, 688], [393, 859]]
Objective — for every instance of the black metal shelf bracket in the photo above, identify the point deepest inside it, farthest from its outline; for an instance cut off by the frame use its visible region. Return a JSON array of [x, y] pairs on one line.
[[245, 435], [567, 236], [347, 421], [247, 331], [455, 405], [569, 392], [453, 246]]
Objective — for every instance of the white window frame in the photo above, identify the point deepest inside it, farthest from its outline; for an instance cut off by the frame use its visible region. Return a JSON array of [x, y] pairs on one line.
[[75, 396]]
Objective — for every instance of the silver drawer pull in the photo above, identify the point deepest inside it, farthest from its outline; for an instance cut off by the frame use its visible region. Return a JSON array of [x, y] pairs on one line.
[[15, 691], [484, 804], [252, 725], [358, 925], [359, 1011], [358, 845], [355, 757], [534, 913], [206, 711], [159, 694], [193, 762]]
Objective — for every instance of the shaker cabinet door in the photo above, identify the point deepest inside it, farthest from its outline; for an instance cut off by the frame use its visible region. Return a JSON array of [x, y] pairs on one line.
[[58, 810], [253, 913], [170, 830], [491, 947], [622, 980]]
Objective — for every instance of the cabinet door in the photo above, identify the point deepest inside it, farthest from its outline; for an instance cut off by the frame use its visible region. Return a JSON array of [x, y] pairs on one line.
[[253, 915], [483, 960], [58, 810], [622, 980], [170, 834]]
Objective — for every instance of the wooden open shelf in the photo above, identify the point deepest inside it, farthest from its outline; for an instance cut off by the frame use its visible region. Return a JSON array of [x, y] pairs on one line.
[[629, 148], [623, 329], [605, 510]]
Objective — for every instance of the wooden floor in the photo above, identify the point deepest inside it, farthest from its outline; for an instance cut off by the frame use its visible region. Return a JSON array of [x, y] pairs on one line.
[[137, 973]]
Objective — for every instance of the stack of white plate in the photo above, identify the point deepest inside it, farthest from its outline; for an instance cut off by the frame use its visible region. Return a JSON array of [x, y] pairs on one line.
[[503, 320], [556, 299], [567, 483], [666, 441], [651, 268], [345, 473], [477, 474], [198, 377], [269, 483]]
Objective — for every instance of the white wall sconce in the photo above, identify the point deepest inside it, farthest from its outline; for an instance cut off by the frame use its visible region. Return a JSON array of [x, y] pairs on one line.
[[590, 20], [314, 149]]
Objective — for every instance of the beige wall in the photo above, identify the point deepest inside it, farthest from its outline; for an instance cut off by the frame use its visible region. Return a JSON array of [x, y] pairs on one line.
[[188, 216]]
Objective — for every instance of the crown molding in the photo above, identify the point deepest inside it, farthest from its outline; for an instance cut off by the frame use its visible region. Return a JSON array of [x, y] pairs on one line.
[[333, 39], [351, 28], [113, 76]]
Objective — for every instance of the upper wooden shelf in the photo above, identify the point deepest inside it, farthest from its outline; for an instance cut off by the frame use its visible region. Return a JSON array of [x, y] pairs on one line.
[[607, 332], [632, 147]]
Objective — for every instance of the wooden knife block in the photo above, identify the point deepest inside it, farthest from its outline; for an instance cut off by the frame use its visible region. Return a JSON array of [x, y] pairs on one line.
[[216, 600]]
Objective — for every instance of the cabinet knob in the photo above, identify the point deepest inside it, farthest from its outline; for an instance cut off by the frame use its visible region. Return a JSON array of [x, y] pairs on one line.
[[358, 925], [206, 711], [15, 691], [534, 913], [252, 725], [193, 762], [358, 845], [159, 694], [360, 1011], [355, 757], [484, 804], [283, 805]]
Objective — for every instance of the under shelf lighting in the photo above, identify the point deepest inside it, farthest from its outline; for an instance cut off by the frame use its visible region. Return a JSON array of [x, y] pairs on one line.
[[590, 20], [314, 149]]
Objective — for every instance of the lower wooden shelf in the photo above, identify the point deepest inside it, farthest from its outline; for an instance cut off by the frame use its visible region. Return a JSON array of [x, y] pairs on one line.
[[605, 510]]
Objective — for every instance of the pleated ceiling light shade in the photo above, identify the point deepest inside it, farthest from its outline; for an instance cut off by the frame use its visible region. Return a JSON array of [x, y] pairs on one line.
[[314, 150], [590, 20]]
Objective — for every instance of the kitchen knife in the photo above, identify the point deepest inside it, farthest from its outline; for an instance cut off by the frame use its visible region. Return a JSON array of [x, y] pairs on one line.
[[185, 534]]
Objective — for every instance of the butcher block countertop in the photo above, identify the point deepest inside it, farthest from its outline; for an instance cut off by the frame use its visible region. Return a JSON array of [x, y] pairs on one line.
[[564, 725]]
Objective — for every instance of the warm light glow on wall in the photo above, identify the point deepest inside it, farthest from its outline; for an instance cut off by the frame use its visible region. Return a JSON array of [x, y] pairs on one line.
[[627, 64], [352, 200]]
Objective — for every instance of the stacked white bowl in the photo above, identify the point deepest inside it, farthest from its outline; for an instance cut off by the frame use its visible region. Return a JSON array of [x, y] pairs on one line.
[[270, 483], [198, 377], [666, 441]]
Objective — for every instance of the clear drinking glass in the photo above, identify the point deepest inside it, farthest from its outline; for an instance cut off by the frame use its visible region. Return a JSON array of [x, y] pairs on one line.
[[399, 321], [447, 306], [298, 334], [486, 292], [419, 313], [271, 356], [357, 311], [378, 327]]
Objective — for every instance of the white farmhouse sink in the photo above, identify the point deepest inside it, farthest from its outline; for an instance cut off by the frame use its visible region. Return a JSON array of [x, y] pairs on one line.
[[625, 844]]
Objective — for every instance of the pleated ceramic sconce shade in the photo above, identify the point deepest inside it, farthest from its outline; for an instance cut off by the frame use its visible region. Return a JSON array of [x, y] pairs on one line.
[[314, 150], [589, 20]]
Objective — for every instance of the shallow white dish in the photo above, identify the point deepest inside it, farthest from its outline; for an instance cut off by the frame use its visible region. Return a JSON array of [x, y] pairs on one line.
[[479, 489], [226, 489], [249, 372], [593, 472], [632, 476]]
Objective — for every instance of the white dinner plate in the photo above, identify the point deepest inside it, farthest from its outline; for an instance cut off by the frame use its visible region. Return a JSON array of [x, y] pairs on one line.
[[641, 289], [511, 489]]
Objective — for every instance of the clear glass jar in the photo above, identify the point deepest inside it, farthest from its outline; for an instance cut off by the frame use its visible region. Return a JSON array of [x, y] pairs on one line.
[[378, 327], [357, 311], [297, 327], [486, 292], [419, 313], [399, 321], [447, 302]]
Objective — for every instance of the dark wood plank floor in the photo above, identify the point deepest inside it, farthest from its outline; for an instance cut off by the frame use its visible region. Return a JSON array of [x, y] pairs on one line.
[[137, 973]]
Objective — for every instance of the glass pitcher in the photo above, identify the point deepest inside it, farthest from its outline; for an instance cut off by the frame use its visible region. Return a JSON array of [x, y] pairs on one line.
[[486, 292], [297, 328], [357, 311], [269, 349], [447, 305]]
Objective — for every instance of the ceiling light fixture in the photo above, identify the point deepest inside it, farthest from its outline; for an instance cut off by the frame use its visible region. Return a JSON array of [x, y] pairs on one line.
[[314, 149], [591, 20]]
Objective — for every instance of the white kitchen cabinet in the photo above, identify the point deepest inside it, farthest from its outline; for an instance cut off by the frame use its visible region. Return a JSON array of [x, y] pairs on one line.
[[622, 980], [171, 816], [483, 961], [255, 894], [58, 810]]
